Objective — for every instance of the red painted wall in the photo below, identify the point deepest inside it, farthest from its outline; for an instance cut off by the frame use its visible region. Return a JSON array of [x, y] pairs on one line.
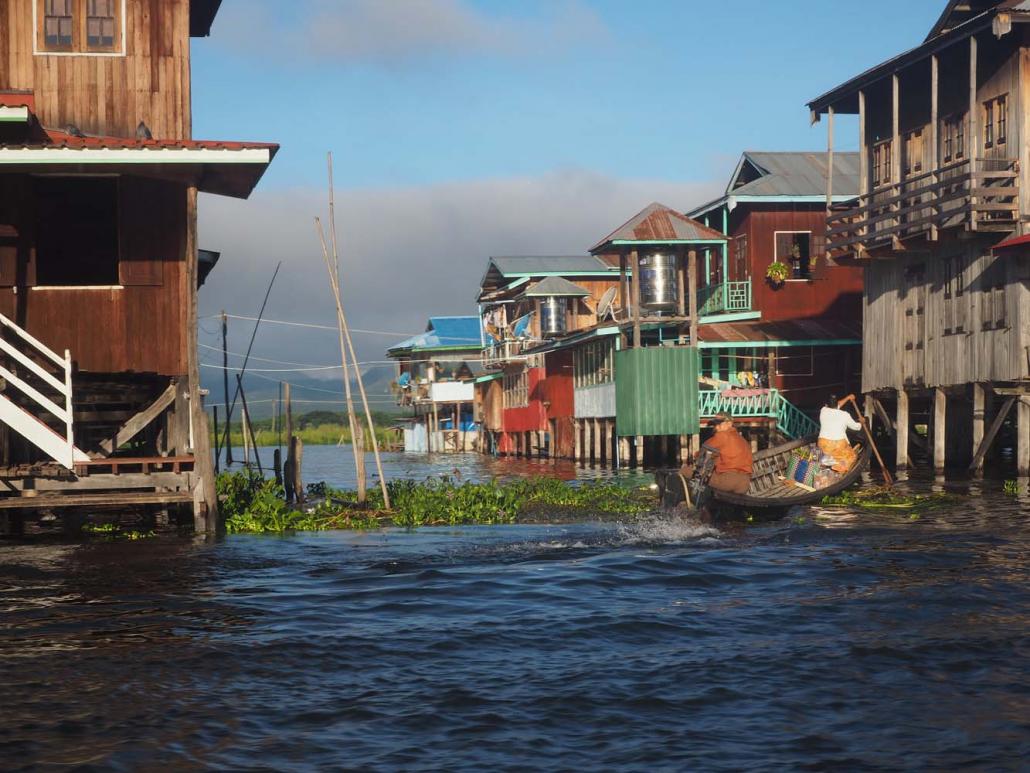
[[832, 293], [533, 417]]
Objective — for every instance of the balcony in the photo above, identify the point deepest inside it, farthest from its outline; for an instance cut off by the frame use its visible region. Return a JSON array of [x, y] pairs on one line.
[[724, 298], [499, 353], [977, 196]]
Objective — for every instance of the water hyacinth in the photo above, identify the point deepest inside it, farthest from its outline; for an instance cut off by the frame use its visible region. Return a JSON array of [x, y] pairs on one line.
[[255, 505]]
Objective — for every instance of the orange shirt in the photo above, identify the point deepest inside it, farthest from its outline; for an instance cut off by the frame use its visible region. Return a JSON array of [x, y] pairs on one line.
[[734, 452]]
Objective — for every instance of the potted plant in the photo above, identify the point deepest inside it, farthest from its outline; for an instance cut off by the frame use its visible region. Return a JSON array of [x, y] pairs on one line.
[[777, 273]]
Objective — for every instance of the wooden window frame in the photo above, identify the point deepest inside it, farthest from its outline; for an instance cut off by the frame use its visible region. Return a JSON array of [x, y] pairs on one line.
[[913, 161], [988, 123], [79, 45], [789, 259]]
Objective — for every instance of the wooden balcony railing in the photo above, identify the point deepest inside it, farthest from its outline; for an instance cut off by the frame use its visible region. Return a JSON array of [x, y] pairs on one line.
[[980, 196], [724, 298]]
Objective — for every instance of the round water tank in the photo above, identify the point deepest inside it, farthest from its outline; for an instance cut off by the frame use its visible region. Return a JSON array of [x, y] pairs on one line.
[[553, 317], [659, 289]]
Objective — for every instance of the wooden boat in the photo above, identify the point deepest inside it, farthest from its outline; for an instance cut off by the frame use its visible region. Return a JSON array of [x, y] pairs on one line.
[[770, 494]]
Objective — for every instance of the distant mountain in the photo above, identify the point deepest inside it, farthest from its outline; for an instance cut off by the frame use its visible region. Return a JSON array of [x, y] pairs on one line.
[[308, 394]]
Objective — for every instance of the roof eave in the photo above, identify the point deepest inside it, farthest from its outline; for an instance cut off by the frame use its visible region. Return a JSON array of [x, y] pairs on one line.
[[821, 104], [202, 16]]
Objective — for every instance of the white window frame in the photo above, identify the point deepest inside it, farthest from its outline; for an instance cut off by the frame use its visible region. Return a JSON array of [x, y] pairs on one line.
[[35, 37]]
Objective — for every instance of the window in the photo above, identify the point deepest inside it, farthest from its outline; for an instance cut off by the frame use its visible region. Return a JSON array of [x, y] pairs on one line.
[[996, 121], [516, 389], [954, 138], [57, 25], [79, 26], [914, 152], [883, 163], [741, 268], [594, 364], [76, 231], [795, 249], [954, 296]]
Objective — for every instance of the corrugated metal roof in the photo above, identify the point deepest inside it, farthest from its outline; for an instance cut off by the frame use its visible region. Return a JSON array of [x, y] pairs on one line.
[[658, 223], [555, 287], [798, 174], [533, 265], [51, 139], [788, 330], [443, 333]]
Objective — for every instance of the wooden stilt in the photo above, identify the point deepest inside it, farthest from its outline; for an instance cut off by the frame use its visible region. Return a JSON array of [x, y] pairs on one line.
[[901, 432], [684, 449], [635, 288], [289, 466], [1023, 441], [940, 424], [979, 424], [624, 452], [639, 451], [577, 439], [992, 433], [597, 442]]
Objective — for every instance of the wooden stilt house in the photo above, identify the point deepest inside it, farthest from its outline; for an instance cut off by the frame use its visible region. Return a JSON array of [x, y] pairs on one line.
[[940, 226], [100, 404]]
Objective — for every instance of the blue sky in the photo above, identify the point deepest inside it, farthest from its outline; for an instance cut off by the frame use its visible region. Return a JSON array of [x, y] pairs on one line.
[[468, 128], [653, 88]]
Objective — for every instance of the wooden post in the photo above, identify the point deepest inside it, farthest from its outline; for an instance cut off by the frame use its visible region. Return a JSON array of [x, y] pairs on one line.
[[225, 382], [205, 499], [624, 451], [1023, 442], [277, 464], [973, 148], [681, 288], [979, 424], [935, 130], [217, 467], [298, 478], [577, 428], [940, 422], [636, 298], [692, 294], [291, 459], [684, 449], [639, 448], [830, 114], [248, 427], [863, 157], [896, 148], [597, 442], [624, 301], [901, 432]]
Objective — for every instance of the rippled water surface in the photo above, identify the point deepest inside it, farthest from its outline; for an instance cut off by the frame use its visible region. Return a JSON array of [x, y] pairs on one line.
[[830, 640]]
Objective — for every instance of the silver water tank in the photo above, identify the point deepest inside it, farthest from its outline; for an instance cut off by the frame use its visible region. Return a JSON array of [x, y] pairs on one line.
[[659, 288], [553, 317]]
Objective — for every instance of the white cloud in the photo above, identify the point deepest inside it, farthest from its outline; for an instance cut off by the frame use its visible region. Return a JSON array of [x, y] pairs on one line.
[[406, 253], [400, 31]]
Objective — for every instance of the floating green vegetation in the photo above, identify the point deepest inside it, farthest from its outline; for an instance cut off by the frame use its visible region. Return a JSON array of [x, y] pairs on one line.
[[252, 504], [886, 499], [114, 532], [1012, 488]]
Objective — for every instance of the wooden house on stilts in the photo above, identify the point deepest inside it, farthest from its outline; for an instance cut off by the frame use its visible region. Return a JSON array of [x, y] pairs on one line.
[[100, 401], [940, 225]]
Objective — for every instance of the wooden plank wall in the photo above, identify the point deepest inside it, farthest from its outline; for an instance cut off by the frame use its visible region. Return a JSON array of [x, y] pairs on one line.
[[981, 352], [139, 327], [835, 292], [107, 95]]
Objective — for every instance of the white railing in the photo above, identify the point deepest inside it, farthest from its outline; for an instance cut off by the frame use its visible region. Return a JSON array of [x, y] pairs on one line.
[[27, 424]]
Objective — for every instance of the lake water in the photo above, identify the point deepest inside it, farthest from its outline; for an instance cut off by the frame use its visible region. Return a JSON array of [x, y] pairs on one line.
[[835, 639]]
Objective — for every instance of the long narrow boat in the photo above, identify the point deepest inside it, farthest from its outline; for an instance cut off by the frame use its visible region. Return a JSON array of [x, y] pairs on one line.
[[770, 494]]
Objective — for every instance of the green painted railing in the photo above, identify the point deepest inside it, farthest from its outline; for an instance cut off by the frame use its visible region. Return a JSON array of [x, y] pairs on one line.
[[724, 298], [790, 420]]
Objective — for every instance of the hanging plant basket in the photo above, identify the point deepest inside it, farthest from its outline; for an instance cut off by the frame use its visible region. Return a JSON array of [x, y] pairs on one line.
[[777, 273]]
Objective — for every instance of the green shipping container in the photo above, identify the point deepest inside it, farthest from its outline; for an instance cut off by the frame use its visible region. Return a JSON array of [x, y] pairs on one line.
[[656, 392]]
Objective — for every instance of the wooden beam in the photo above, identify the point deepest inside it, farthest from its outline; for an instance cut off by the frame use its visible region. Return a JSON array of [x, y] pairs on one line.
[[1023, 439], [940, 428], [623, 286], [680, 284], [992, 433], [935, 140], [829, 164], [140, 421], [95, 500], [973, 149], [692, 294], [636, 298], [979, 422], [902, 431], [863, 161]]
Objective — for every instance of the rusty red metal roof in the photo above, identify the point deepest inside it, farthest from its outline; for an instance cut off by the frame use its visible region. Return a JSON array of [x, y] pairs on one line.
[[56, 138], [18, 98], [780, 333], [658, 223], [1015, 241]]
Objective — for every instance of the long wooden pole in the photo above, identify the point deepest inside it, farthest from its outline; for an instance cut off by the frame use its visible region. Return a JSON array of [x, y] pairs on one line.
[[356, 445], [350, 343], [869, 436], [225, 379]]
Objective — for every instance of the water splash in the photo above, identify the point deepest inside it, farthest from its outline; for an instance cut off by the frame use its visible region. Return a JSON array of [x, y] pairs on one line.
[[665, 529]]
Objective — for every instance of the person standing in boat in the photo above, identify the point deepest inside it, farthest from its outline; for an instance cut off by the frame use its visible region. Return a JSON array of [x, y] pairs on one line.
[[734, 463], [834, 424]]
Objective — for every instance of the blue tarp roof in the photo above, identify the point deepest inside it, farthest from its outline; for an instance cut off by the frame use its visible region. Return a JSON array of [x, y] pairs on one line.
[[444, 333]]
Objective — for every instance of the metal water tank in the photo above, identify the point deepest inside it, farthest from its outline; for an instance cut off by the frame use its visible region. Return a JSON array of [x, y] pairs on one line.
[[553, 316], [659, 288]]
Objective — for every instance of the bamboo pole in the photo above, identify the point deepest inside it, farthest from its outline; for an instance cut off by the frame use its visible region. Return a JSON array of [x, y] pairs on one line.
[[869, 436], [225, 379], [359, 452], [350, 344]]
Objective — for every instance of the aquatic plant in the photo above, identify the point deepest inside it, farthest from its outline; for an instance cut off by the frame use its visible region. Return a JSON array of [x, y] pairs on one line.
[[112, 532], [252, 504], [885, 499], [1011, 488]]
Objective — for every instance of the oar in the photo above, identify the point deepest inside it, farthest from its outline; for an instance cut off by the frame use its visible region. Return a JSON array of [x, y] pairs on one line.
[[861, 420]]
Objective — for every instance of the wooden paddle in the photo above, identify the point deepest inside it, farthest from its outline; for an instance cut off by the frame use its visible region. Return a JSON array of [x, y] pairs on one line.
[[872, 443]]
